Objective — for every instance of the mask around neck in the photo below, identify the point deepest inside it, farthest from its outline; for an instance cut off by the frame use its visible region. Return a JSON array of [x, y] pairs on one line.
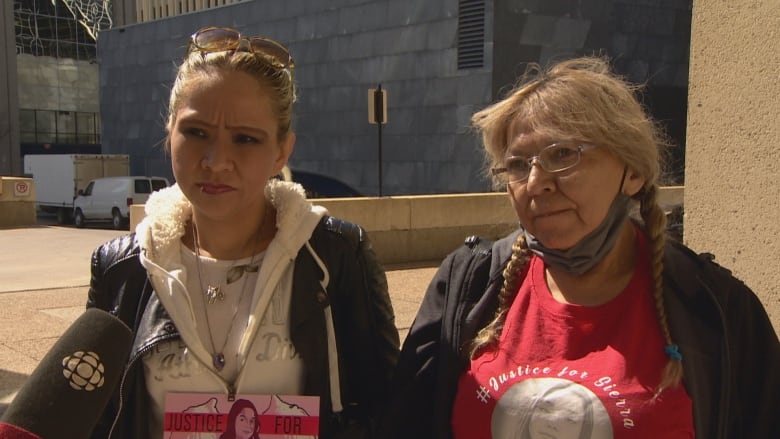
[[592, 248]]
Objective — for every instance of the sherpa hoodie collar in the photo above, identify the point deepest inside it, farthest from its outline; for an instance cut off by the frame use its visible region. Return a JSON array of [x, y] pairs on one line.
[[168, 212]]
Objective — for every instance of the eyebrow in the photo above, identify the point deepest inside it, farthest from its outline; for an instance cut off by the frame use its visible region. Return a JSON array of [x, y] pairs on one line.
[[194, 119]]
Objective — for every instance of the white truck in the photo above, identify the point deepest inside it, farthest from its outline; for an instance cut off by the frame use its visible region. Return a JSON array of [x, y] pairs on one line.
[[59, 177]]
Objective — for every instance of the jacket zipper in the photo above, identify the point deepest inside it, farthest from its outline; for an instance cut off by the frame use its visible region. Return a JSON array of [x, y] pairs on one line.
[[230, 388], [135, 358]]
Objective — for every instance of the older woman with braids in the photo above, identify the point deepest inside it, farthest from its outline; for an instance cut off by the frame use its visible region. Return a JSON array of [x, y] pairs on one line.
[[669, 342]]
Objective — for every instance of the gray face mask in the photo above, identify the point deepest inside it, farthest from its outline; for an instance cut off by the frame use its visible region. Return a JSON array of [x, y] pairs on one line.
[[592, 248]]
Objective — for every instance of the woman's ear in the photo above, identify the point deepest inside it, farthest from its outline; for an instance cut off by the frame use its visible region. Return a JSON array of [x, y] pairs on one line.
[[633, 183], [285, 151]]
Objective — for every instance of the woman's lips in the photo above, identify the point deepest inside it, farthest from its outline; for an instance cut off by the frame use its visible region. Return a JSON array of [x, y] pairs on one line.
[[215, 188], [549, 214]]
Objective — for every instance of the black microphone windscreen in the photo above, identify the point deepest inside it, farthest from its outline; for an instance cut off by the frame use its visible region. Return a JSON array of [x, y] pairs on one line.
[[70, 387]]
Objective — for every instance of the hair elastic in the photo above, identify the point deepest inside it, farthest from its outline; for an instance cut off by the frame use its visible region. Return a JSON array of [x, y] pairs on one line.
[[673, 352]]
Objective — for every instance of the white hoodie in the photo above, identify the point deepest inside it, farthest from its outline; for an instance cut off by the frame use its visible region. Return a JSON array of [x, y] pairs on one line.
[[177, 367]]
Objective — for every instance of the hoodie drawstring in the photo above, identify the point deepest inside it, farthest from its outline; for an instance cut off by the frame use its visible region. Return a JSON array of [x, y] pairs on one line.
[[333, 357]]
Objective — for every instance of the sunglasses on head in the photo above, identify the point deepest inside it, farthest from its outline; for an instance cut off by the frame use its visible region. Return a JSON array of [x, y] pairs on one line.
[[220, 39]]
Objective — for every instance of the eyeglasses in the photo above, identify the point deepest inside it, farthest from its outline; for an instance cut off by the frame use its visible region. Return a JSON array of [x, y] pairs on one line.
[[557, 157], [220, 39]]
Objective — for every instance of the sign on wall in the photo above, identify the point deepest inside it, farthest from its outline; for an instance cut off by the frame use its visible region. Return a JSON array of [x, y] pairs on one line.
[[22, 189]]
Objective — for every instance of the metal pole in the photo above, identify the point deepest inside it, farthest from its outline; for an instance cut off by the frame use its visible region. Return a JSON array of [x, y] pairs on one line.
[[379, 106]]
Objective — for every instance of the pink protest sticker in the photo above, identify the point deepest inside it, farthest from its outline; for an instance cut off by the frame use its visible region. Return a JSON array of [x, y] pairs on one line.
[[212, 416]]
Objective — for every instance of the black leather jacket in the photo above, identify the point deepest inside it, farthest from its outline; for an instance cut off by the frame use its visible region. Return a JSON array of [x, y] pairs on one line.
[[731, 354], [363, 319]]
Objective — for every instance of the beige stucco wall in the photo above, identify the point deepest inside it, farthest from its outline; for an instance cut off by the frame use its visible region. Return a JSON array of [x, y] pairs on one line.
[[732, 189]]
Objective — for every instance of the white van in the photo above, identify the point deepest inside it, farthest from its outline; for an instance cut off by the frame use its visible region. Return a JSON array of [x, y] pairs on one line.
[[110, 198]]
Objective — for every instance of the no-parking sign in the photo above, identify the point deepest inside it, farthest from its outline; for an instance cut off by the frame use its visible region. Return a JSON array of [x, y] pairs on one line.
[[22, 189]]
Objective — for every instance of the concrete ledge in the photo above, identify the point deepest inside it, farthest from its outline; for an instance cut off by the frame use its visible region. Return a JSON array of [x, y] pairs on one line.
[[425, 227], [17, 202], [428, 227]]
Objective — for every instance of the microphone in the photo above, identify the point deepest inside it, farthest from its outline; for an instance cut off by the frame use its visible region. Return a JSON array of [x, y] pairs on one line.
[[71, 386]]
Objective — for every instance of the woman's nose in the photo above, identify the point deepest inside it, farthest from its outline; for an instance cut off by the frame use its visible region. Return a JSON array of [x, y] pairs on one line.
[[539, 180], [218, 157]]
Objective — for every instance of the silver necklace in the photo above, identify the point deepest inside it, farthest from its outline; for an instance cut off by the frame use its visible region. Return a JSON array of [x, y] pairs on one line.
[[212, 293]]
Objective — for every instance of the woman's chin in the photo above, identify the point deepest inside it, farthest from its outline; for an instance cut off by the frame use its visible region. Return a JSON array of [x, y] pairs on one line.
[[554, 240]]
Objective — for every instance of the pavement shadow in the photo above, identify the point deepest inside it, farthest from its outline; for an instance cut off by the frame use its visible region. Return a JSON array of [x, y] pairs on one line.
[[10, 382], [46, 220]]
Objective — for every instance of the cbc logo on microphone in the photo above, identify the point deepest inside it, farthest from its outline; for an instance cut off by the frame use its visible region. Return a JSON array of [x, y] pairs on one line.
[[83, 370]]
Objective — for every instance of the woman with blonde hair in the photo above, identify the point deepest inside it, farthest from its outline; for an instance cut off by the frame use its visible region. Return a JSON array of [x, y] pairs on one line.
[[672, 344], [234, 283]]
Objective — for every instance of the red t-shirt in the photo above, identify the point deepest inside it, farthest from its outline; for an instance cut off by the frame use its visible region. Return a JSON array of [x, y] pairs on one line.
[[571, 371]]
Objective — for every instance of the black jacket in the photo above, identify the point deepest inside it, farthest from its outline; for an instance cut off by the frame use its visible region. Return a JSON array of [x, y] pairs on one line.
[[363, 319], [731, 354]]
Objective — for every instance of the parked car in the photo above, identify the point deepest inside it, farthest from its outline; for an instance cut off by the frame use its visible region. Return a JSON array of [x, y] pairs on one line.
[[318, 185], [109, 199]]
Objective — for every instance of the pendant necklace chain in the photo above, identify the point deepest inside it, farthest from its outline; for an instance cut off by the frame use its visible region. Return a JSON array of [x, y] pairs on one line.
[[213, 293]]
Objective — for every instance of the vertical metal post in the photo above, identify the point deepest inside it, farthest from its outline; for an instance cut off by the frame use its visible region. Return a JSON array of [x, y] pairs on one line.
[[379, 114]]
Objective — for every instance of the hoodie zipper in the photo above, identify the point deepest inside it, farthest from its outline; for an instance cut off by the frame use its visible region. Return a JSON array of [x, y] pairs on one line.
[[122, 387], [230, 388]]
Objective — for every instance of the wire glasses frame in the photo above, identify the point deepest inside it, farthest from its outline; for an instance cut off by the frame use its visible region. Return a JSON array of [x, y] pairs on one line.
[[220, 39], [557, 157]]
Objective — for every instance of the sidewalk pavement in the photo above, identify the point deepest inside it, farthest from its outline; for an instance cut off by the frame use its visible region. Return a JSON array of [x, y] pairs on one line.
[[44, 277]]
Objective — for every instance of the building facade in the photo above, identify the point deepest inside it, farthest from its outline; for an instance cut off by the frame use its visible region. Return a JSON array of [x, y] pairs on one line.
[[439, 62], [49, 74]]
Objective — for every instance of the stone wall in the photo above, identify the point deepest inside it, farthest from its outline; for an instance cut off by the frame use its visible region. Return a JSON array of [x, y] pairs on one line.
[[341, 49], [344, 47]]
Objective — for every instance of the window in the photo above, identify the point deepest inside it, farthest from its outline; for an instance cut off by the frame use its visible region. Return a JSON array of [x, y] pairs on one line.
[[159, 184], [143, 186], [50, 28], [49, 126]]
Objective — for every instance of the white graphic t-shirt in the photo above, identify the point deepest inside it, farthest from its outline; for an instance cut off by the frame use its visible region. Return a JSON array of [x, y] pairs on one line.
[[271, 366]]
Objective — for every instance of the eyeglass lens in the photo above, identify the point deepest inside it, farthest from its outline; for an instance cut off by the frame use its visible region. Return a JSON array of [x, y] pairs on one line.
[[219, 39], [554, 158], [279, 54]]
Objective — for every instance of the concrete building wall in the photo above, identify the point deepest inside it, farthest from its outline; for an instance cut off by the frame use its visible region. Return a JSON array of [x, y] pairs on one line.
[[732, 182], [341, 49], [646, 40], [344, 47], [10, 161]]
